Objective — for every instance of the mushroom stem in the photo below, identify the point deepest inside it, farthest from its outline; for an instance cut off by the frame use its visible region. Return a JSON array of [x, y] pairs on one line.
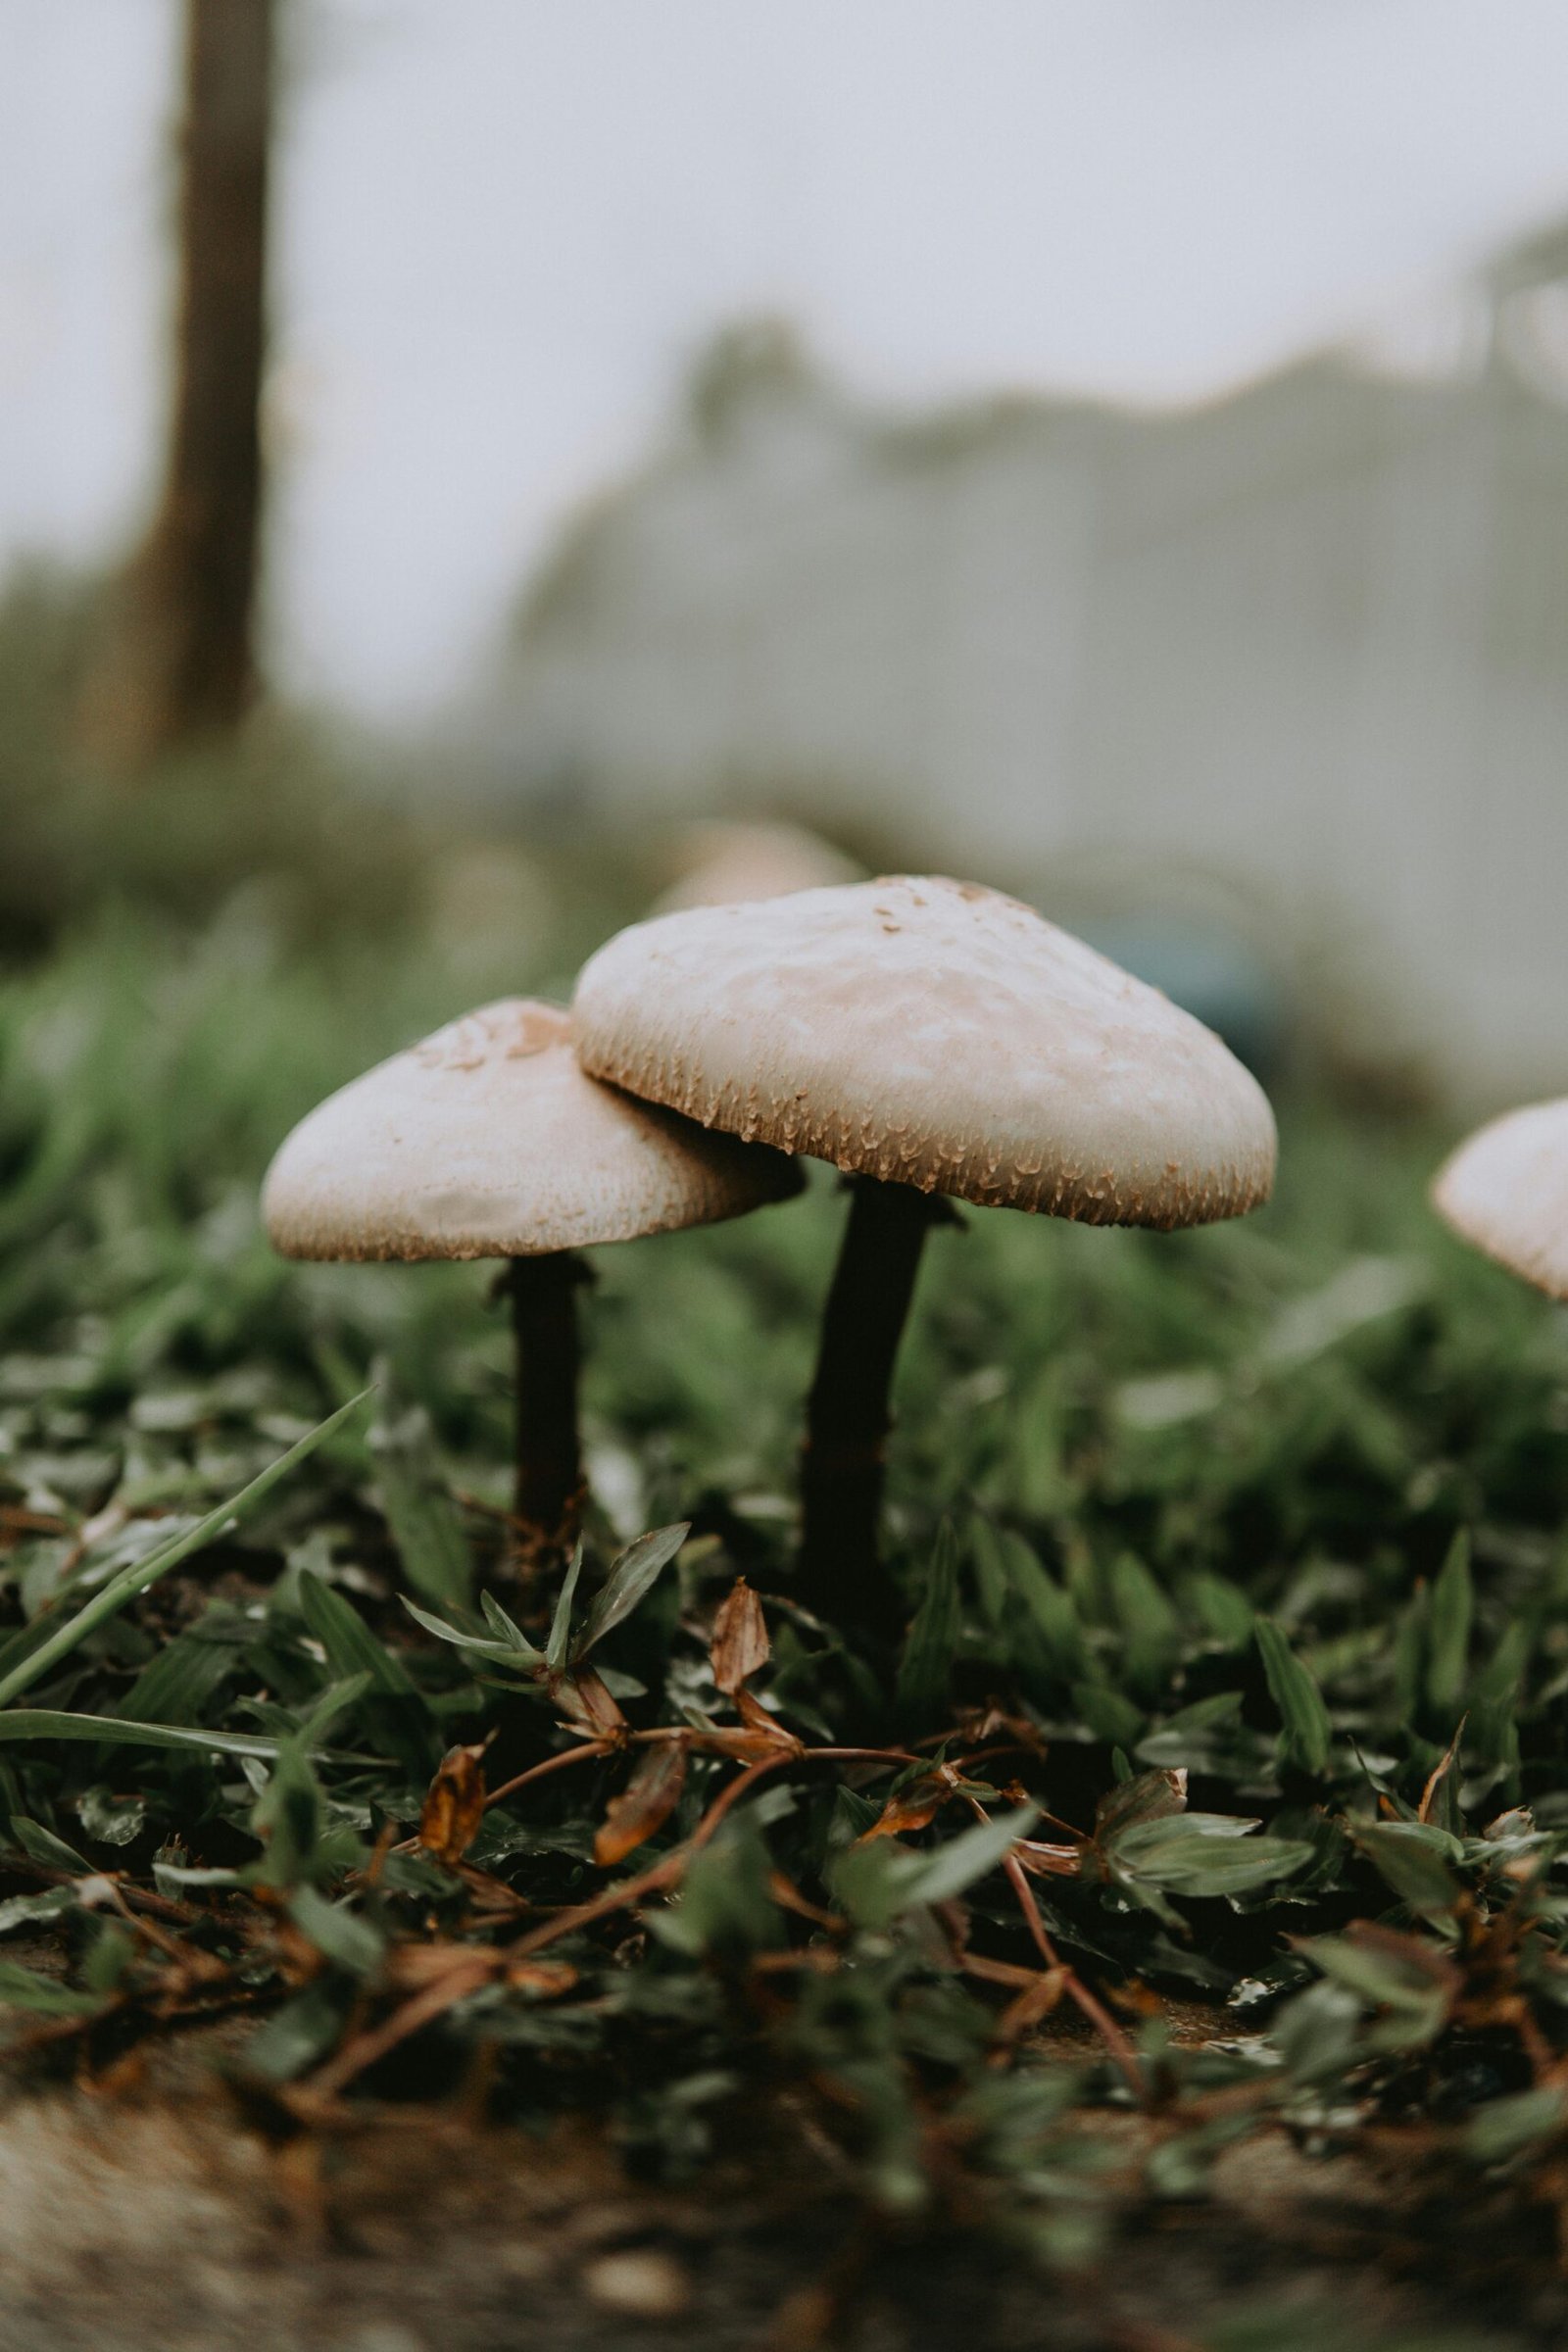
[[548, 1498], [849, 1414]]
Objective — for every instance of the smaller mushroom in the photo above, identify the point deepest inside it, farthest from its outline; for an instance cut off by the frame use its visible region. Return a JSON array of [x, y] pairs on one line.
[[1505, 1190], [487, 1139]]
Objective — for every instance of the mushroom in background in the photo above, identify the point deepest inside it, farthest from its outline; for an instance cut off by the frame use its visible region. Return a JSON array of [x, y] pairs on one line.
[[1505, 1191], [723, 863], [487, 1140], [929, 1037]]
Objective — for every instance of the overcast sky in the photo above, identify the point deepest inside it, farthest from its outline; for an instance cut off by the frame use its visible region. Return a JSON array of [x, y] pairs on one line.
[[504, 225]]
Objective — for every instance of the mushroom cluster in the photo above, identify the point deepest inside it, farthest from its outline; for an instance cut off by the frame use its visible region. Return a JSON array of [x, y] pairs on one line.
[[931, 1039]]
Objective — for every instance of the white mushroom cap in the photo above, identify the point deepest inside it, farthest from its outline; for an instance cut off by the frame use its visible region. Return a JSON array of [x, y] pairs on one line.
[[935, 1034], [487, 1140], [1506, 1190]]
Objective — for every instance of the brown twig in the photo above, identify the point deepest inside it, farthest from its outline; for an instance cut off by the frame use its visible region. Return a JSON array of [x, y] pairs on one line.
[[1099, 2016]]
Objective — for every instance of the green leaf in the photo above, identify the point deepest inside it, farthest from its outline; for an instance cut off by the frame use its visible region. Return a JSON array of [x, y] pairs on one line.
[[423, 1520], [1221, 1608], [725, 1907], [179, 1682], [1448, 1630], [1506, 2128], [301, 2033], [878, 1883], [1205, 1854], [1049, 1608], [1307, 1732], [132, 1581], [24, 1989], [1414, 1858], [1109, 1714], [1409, 1981], [111, 1820], [629, 1578], [955, 1865], [339, 1934], [505, 1628], [113, 1731], [558, 1645], [287, 1818], [32, 1910], [1151, 1630], [393, 1713], [1149, 1796], [498, 1653], [350, 1645], [44, 1846], [931, 1643], [1202, 1854]]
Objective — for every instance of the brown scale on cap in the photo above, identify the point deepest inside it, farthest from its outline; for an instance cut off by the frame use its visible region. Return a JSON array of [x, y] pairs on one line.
[[487, 1140], [1505, 1190], [934, 1034]]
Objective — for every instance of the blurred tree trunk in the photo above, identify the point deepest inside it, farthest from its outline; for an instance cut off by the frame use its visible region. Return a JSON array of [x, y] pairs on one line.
[[176, 660]]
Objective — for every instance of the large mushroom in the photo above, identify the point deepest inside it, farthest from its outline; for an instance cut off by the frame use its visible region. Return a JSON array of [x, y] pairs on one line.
[[487, 1140], [1505, 1190], [929, 1037]]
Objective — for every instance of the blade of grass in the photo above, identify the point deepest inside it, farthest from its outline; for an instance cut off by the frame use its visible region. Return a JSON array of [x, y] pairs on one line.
[[126, 1587], [108, 1731]]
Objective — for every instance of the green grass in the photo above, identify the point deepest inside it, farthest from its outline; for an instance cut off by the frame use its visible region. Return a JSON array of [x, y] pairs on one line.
[[1278, 1505]]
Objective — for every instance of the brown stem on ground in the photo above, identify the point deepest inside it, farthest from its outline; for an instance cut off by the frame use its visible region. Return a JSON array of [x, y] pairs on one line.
[[849, 1412], [548, 1496]]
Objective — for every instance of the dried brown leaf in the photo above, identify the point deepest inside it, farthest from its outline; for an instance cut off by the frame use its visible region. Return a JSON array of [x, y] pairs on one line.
[[742, 1747], [914, 1808], [1050, 1861], [740, 1646], [1439, 1773], [545, 1978], [757, 1718], [585, 1701], [410, 1967], [646, 1802], [453, 1804]]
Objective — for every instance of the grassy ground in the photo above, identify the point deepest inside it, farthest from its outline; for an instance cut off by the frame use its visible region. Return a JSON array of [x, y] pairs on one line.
[[1237, 1596]]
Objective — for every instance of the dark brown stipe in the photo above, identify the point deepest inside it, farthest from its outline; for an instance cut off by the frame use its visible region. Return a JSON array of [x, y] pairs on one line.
[[848, 1412], [548, 1496]]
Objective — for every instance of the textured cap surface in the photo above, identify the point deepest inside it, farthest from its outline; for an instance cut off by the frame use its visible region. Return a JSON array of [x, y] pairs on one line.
[[487, 1140], [935, 1034], [1506, 1190]]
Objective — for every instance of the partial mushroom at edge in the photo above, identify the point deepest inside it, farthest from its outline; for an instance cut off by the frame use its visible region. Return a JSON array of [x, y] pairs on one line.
[[1505, 1191]]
